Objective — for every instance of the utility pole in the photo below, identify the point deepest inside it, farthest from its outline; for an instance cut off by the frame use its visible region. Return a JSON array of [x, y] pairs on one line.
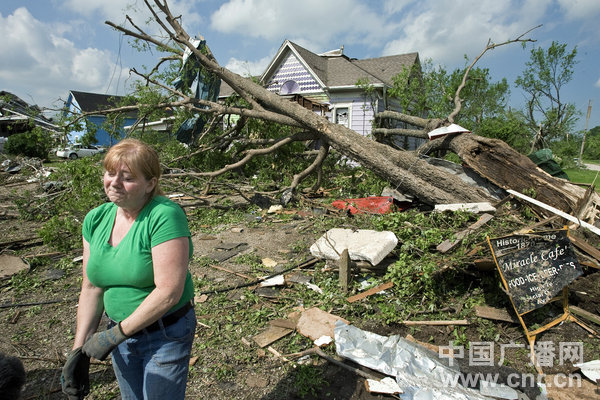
[[587, 119]]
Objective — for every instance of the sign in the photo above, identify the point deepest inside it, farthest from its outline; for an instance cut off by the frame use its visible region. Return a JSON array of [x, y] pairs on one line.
[[535, 267]]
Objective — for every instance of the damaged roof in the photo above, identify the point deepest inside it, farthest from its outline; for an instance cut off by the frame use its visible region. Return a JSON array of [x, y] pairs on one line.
[[90, 102], [15, 111]]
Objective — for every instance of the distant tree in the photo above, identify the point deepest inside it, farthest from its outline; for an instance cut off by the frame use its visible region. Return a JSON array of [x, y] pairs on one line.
[[592, 144], [548, 116], [595, 131], [89, 137]]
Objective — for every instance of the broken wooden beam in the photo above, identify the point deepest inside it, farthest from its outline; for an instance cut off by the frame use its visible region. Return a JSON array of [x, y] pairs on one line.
[[538, 224], [344, 270], [556, 211], [585, 247]]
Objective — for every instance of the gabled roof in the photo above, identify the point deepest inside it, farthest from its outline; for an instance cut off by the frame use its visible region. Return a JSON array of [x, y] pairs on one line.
[[334, 70]]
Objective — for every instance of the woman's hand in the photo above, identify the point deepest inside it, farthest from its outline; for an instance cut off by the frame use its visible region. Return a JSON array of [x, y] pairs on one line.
[[102, 343]]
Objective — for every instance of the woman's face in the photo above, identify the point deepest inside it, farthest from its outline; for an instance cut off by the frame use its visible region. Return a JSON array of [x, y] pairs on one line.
[[126, 190]]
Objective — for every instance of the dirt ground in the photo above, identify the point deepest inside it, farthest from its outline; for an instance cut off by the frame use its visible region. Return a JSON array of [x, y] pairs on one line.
[[37, 320]]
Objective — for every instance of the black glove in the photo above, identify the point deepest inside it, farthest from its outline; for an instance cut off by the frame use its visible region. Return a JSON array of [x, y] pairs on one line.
[[75, 377], [102, 343]]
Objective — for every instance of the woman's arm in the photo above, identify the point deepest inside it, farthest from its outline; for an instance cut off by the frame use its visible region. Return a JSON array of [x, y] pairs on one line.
[[170, 264], [89, 310]]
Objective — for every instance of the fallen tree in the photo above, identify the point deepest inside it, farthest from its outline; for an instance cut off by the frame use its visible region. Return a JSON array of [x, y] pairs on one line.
[[406, 171]]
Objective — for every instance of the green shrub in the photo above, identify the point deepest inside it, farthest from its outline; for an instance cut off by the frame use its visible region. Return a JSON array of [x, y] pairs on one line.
[[34, 143]]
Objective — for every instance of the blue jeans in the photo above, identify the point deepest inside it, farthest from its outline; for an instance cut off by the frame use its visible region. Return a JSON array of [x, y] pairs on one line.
[[154, 365]]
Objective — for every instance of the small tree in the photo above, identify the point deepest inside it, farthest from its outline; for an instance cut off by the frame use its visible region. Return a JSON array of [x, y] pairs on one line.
[[33, 143], [548, 116], [430, 93]]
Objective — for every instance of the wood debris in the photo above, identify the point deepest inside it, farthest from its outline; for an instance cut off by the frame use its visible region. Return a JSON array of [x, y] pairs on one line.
[[448, 244], [585, 314], [370, 292], [495, 314], [314, 323], [270, 335], [437, 322]]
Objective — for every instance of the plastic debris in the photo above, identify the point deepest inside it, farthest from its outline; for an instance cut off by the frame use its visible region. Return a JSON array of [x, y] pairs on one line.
[[418, 371]]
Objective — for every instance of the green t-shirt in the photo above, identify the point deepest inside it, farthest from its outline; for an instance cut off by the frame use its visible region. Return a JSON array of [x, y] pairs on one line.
[[125, 271]]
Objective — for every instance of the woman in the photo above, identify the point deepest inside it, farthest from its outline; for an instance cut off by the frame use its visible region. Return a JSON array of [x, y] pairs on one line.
[[136, 251]]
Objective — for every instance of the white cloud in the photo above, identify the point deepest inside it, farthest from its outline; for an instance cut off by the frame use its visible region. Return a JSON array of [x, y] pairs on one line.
[[248, 68], [597, 83], [115, 11], [316, 21], [445, 31], [580, 9], [45, 65]]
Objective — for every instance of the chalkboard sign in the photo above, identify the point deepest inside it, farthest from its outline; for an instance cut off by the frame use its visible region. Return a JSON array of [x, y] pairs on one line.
[[535, 266]]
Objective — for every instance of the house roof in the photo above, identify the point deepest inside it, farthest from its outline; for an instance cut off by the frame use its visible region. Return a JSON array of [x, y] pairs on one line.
[[334, 69], [90, 102], [13, 110]]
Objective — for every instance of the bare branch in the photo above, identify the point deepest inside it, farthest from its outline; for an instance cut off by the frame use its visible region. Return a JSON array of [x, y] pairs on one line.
[[490, 46], [317, 163], [302, 136]]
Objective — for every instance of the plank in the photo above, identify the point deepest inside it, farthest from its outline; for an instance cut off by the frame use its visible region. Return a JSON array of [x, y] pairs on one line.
[[495, 314], [344, 270], [270, 335], [437, 322], [585, 247], [556, 211], [370, 292], [585, 314]]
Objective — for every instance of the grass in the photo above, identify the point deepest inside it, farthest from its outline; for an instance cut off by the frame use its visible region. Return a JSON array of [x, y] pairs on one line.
[[584, 176]]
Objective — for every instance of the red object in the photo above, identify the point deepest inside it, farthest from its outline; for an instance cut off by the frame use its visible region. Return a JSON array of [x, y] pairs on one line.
[[367, 205]]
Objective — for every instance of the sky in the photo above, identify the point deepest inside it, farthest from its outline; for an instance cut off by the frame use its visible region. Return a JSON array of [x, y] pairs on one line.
[[49, 47]]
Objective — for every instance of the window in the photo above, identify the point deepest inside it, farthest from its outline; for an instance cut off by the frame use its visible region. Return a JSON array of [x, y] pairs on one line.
[[341, 116]]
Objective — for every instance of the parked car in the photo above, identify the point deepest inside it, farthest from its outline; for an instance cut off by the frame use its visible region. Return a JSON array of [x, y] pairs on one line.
[[76, 151]]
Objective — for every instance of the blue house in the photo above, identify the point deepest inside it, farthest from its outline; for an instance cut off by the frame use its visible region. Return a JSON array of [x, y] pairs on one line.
[[83, 102]]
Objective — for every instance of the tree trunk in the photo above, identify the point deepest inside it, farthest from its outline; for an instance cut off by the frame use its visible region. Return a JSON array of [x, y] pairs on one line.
[[509, 169]]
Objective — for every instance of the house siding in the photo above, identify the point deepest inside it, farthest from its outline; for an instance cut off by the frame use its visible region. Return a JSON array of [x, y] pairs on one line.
[[361, 113], [291, 69], [362, 116]]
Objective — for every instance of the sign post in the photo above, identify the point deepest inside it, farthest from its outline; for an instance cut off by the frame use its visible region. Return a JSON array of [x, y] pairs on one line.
[[535, 269]]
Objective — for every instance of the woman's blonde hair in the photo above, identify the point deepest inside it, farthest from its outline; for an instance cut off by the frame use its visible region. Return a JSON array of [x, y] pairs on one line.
[[140, 158]]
